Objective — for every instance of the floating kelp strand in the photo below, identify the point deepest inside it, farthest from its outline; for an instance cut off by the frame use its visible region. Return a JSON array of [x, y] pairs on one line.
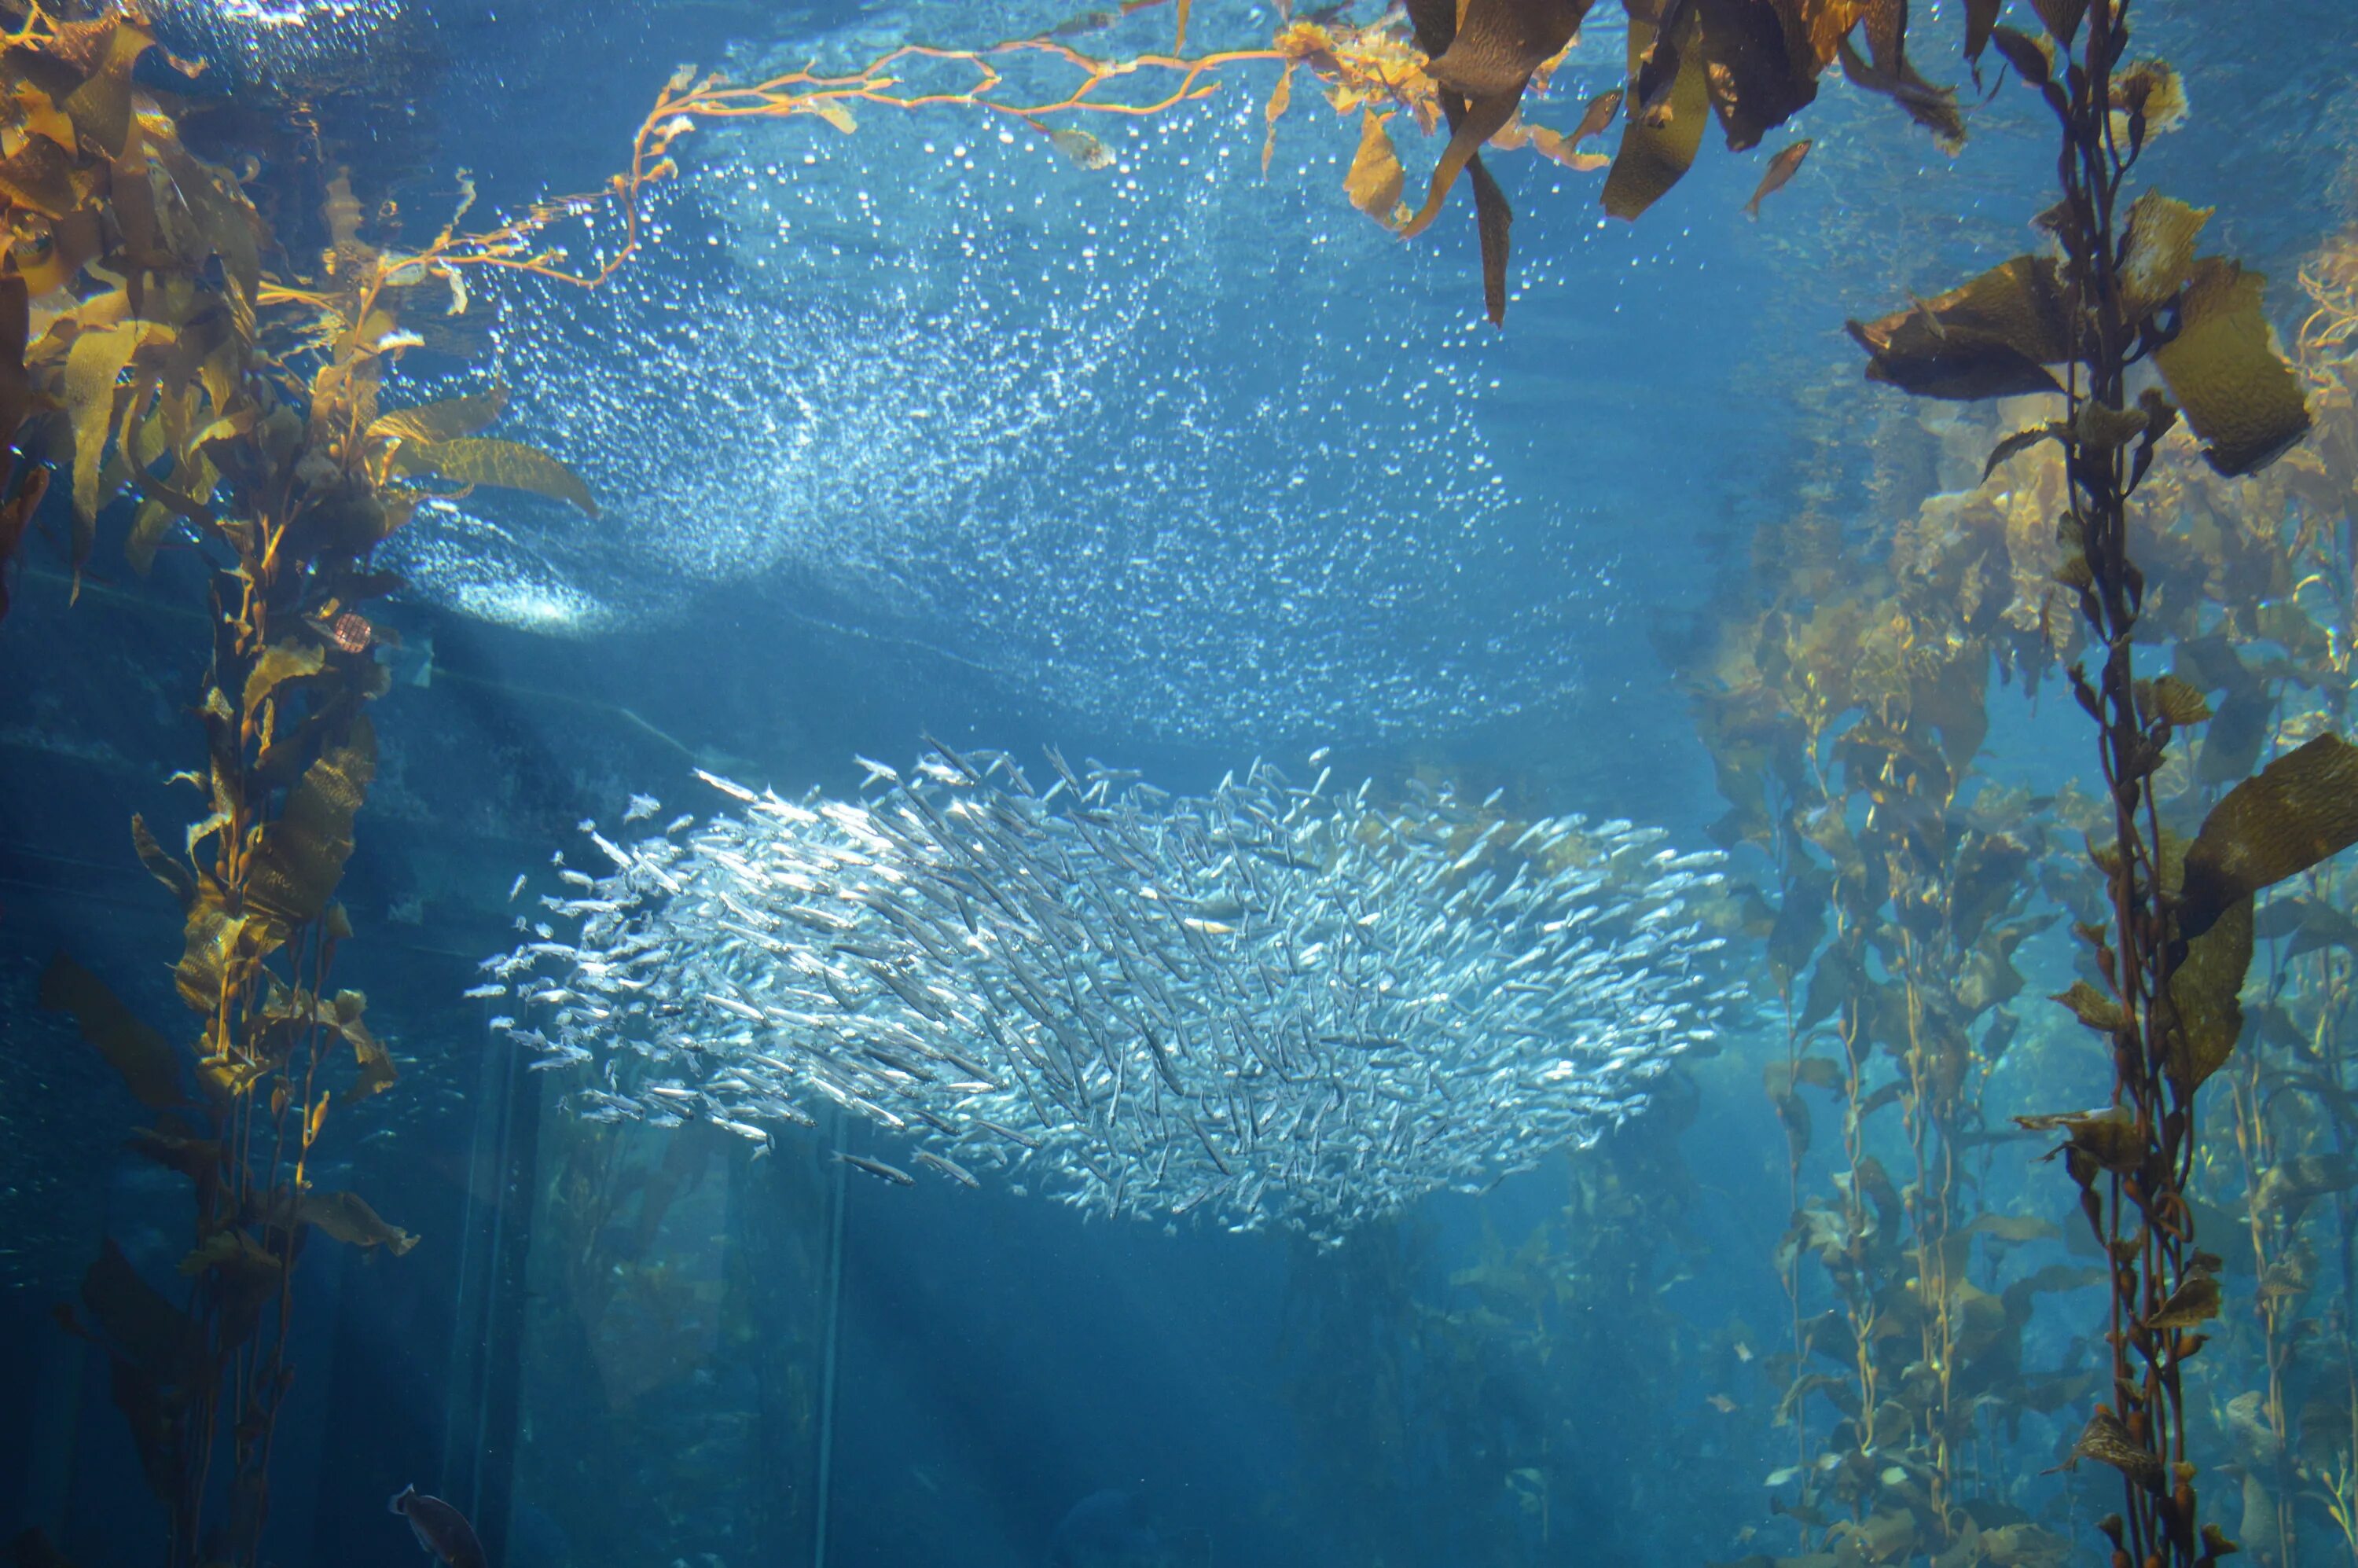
[[1269, 1002]]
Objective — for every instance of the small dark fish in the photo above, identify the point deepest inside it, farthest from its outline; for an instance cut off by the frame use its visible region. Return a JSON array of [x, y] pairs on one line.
[[440, 1529], [1086, 23], [1597, 117], [892, 1174], [1781, 167]]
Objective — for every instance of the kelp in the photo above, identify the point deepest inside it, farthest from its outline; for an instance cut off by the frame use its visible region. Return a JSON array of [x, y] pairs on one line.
[[2169, 957], [194, 395], [1846, 715], [1752, 64]]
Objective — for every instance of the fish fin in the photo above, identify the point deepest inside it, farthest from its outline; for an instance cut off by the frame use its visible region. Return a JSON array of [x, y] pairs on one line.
[[400, 1496]]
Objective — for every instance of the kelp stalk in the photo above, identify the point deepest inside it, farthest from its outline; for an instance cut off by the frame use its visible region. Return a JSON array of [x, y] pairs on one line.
[[168, 367], [2170, 958]]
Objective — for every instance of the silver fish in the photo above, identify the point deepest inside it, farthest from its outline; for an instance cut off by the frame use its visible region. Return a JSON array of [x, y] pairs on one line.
[[1269, 1004]]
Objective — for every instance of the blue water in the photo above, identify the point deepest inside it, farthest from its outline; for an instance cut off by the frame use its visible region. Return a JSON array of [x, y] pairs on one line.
[[925, 429]]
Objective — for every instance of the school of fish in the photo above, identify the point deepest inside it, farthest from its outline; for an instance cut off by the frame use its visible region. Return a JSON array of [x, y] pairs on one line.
[[1276, 1002]]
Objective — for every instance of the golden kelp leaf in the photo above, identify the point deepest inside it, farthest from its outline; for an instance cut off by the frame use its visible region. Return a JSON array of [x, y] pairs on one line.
[[42, 115], [2180, 701], [512, 465], [1280, 98], [2019, 1545], [1888, 1534], [1981, 16], [2311, 924], [2147, 99], [40, 177], [2204, 990], [161, 865], [1563, 149], [1500, 43], [2160, 251], [199, 1158], [1494, 47], [1776, 1077], [2093, 1007], [2061, 18], [16, 384], [1817, 27], [164, 506], [1083, 148], [1988, 977], [2017, 1227], [2021, 441], [1375, 177], [210, 940], [377, 1072], [2105, 1440], [2291, 1184], [2032, 58], [835, 111], [197, 832], [225, 218], [1934, 108], [144, 1059], [1655, 153], [1757, 82], [2108, 1137], [2105, 428], [1469, 128], [1493, 221], [348, 1218], [1988, 870], [2301, 808], [299, 858], [100, 107], [224, 1078], [2222, 367], [55, 258], [1992, 337], [2192, 1304], [280, 663], [94, 365], [235, 1254], [445, 420]]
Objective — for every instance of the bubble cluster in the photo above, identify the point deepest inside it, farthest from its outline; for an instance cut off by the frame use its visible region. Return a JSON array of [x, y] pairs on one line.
[[1165, 445]]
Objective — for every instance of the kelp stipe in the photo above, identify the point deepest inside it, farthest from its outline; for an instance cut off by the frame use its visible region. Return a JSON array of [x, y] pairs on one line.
[[1843, 705], [157, 358], [2171, 956]]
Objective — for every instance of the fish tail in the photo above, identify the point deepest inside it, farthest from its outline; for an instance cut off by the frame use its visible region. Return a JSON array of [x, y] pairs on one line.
[[394, 1504]]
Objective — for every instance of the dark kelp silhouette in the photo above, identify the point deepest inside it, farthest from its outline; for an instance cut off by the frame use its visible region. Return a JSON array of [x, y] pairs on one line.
[[2171, 952], [190, 392]]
